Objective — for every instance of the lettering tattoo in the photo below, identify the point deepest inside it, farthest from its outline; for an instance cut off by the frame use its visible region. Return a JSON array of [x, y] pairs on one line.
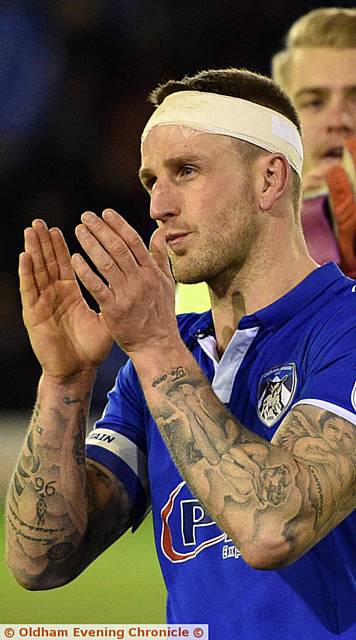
[[175, 374], [61, 515], [46, 486], [302, 482], [18, 532], [32, 527], [320, 501], [158, 381]]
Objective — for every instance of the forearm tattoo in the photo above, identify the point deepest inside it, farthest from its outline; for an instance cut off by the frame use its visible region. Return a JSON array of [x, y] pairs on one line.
[[51, 506], [303, 483]]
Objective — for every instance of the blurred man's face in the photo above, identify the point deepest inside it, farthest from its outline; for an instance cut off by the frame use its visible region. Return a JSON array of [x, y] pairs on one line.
[[323, 88]]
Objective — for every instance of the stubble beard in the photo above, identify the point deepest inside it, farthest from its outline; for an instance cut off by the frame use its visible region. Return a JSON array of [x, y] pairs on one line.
[[220, 255]]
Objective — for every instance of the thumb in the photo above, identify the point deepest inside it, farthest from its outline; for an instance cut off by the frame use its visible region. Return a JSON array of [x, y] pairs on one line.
[[158, 250]]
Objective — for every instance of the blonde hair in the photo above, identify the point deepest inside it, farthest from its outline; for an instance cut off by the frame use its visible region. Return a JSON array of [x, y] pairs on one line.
[[325, 27]]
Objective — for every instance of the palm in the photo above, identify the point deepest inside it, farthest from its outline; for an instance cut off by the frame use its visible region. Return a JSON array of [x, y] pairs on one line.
[[66, 335]]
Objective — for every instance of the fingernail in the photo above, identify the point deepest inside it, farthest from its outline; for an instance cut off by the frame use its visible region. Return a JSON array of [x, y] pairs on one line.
[[81, 230], [88, 216], [108, 214], [77, 259]]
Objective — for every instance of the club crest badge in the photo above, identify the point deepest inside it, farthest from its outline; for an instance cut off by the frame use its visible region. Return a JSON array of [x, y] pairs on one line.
[[275, 392]]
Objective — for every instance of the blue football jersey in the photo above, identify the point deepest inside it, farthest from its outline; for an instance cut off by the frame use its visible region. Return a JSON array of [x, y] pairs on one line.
[[300, 349]]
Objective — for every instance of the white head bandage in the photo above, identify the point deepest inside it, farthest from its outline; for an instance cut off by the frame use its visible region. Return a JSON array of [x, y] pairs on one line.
[[228, 116]]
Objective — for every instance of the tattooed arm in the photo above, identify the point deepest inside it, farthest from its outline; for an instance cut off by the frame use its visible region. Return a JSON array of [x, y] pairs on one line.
[[275, 503], [275, 500], [59, 516], [61, 513]]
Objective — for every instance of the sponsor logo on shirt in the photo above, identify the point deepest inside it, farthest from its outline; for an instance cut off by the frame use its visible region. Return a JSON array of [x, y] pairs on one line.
[[276, 390], [187, 530]]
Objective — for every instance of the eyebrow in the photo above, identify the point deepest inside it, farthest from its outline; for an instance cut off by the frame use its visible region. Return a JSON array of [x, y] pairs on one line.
[[185, 158], [321, 90], [307, 90]]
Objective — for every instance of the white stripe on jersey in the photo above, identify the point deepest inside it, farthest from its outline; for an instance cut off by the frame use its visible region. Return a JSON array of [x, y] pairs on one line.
[[123, 448], [227, 368]]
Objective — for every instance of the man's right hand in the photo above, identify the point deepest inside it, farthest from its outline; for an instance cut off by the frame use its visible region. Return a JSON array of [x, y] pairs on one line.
[[66, 335]]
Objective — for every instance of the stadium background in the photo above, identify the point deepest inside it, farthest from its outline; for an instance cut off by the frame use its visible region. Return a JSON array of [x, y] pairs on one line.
[[74, 77]]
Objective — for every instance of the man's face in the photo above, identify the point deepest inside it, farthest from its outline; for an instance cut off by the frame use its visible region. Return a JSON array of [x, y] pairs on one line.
[[201, 198], [339, 434], [323, 88]]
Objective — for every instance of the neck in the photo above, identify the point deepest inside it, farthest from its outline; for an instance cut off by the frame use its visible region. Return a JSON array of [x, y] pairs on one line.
[[279, 262]]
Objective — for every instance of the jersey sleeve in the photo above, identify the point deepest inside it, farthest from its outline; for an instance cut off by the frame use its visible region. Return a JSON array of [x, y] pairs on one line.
[[118, 440], [330, 380]]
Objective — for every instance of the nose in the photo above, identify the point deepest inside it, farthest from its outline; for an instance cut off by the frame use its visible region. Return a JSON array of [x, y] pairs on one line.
[[164, 201], [341, 116]]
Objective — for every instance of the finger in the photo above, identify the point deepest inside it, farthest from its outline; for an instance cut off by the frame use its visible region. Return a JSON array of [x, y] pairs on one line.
[[96, 287], [104, 262], [33, 247], [111, 241], [28, 288], [158, 250], [130, 237], [48, 254], [65, 269]]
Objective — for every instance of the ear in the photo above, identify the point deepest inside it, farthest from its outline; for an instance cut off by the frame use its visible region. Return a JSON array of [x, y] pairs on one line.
[[275, 174]]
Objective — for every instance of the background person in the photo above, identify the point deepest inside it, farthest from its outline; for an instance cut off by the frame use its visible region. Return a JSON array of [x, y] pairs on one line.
[[318, 71], [218, 200]]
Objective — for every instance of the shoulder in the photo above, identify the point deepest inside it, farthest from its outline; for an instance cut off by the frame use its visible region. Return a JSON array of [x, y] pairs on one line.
[[332, 316]]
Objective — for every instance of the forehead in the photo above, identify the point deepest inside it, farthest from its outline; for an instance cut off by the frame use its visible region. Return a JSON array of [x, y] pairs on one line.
[[323, 67], [176, 140]]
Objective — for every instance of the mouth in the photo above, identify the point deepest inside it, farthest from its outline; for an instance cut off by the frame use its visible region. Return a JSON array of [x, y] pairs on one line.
[[176, 239], [333, 153]]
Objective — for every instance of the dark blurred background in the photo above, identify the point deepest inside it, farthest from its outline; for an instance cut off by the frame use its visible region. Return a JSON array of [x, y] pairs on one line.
[[74, 79]]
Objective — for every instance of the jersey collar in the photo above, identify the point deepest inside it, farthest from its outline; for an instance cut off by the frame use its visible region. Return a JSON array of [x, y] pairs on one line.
[[301, 296], [282, 309]]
